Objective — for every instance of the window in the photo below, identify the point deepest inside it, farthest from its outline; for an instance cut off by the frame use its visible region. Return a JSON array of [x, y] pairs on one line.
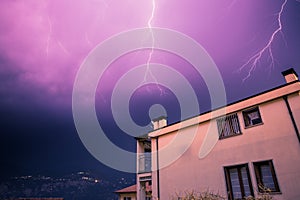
[[228, 126], [266, 177], [147, 146], [127, 198], [252, 117], [144, 163], [238, 182]]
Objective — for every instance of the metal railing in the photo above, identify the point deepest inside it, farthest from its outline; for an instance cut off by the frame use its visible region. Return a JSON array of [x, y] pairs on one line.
[[228, 126], [144, 163]]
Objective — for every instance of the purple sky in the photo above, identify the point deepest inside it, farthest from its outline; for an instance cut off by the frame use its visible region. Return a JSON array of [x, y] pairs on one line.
[[43, 43]]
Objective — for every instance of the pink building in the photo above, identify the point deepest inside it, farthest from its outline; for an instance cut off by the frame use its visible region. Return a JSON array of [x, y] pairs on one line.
[[128, 193], [236, 151]]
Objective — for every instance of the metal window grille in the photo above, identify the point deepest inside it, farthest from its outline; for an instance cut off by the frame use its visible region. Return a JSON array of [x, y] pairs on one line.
[[228, 126]]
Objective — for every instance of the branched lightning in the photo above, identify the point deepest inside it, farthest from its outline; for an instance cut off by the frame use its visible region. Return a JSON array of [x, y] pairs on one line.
[[254, 60], [63, 47], [104, 10], [148, 70], [49, 39], [87, 39], [232, 4], [151, 32], [49, 36]]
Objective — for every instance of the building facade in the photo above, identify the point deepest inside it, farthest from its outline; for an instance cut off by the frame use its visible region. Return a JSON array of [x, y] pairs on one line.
[[244, 149], [128, 193]]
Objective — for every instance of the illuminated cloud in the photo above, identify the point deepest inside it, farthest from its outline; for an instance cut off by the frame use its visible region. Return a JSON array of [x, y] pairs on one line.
[[43, 43]]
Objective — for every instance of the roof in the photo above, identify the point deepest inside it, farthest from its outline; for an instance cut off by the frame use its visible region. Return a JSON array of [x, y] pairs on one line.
[[130, 189], [277, 92], [142, 137]]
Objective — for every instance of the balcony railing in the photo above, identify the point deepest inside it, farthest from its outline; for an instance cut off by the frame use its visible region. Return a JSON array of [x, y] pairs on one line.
[[144, 163]]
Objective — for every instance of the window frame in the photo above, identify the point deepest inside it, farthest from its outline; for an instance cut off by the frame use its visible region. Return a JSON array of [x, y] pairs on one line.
[[257, 170], [247, 124], [220, 126], [228, 180]]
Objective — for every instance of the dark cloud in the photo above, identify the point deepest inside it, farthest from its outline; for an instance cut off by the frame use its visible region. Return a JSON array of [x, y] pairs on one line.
[[43, 43]]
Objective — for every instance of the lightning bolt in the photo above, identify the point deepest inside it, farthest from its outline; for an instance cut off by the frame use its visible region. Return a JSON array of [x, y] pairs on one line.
[[151, 32], [254, 60], [232, 4], [49, 36], [63, 47], [104, 10], [87, 39], [149, 23], [148, 72]]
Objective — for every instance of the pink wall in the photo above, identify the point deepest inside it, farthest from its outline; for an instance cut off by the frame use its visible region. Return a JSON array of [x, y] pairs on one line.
[[275, 139], [132, 195]]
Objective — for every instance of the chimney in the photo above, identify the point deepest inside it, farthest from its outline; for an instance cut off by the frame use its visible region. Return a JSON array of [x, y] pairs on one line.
[[290, 75], [159, 122]]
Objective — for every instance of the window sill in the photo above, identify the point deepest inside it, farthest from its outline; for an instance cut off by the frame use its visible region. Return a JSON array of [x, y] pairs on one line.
[[270, 193], [250, 126], [229, 136]]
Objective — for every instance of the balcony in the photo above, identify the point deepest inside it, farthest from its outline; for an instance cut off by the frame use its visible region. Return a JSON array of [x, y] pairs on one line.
[[144, 163]]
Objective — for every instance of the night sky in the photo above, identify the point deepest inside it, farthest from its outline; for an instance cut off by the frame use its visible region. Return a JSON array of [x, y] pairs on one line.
[[44, 43]]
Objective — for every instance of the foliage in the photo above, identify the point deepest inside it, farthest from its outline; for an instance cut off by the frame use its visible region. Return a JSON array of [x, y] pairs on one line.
[[192, 195], [208, 195], [264, 195]]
